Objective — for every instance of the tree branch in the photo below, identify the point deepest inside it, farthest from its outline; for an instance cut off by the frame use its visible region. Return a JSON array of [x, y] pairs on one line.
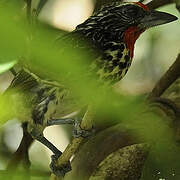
[[167, 79], [86, 124], [97, 148], [126, 163], [177, 4], [21, 154], [152, 5]]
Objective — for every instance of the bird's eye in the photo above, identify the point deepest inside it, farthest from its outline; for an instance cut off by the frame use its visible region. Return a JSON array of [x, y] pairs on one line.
[[131, 11]]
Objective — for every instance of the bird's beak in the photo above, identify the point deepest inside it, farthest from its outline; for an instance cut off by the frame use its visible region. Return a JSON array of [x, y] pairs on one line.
[[155, 18]]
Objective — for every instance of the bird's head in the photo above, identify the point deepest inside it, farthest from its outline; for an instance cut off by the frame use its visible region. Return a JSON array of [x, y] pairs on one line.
[[135, 14], [136, 18], [122, 22]]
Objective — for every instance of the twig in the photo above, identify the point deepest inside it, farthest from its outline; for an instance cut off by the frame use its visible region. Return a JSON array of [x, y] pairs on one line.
[[152, 5], [21, 153], [168, 78], [177, 5]]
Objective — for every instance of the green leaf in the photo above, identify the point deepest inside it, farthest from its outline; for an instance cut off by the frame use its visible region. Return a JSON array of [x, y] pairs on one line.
[[6, 66]]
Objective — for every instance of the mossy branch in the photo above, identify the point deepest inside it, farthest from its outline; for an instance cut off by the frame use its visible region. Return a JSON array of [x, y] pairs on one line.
[[97, 148], [166, 80], [125, 163]]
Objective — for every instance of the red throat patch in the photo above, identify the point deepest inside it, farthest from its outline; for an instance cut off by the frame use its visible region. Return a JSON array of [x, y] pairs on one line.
[[130, 37], [142, 5]]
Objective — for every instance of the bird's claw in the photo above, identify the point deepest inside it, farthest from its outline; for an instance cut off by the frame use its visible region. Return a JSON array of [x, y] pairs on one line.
[[79, 132], [59, 171]]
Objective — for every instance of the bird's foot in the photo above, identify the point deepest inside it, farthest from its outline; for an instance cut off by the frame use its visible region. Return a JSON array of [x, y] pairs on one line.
[[76, 122], [59, 171], [79, 132]]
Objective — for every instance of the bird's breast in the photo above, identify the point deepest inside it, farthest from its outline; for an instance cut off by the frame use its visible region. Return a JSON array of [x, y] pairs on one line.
[[114, 62]]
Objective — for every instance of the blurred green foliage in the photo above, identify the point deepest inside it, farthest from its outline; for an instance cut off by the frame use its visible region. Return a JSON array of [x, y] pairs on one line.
[[22, 175], [33, 47], [6, 66]]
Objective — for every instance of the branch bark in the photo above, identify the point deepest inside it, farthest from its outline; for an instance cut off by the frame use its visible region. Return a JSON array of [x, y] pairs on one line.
[[124, 164]]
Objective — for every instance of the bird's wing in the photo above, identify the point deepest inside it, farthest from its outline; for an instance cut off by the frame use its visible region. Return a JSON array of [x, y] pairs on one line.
[[78, 41], [23, 81]]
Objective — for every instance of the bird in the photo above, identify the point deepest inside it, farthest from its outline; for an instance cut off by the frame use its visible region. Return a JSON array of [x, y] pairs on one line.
[[111, 34]]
